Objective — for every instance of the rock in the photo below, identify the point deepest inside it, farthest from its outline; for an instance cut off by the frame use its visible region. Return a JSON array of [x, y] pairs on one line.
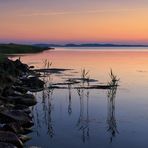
[[9, 67], [7, 91], [27, 99], [20, 66], [21, 107], [33, 82], [19, 89], [24, 138], [1, 90], [9, 137], [15, 116], [27, 124], [17, 107], [16, 128], [16, 79], [1, 102], [6, 145], [6, 80], [31, 67]]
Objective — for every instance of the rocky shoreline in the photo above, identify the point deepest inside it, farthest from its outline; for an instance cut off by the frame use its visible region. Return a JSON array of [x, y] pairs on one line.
[[16, 81]]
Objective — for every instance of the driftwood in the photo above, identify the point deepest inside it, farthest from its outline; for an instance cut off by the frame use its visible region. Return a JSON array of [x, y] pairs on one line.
[[51, 70], [84, 87], [82, 80]]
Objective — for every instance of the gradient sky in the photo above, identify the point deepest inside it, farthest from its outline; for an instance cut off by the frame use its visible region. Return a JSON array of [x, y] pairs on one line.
[[61, 21]]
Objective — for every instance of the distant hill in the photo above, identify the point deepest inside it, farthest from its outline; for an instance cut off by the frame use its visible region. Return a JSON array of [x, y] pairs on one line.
[[90, 45], [103, 45], [47, 45]]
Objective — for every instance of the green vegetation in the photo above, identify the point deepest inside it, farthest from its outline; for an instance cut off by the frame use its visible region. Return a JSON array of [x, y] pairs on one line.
[[19, 49], [2, 58]]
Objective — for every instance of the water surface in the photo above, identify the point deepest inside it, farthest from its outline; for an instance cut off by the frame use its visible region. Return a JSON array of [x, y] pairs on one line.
[[93, 118]]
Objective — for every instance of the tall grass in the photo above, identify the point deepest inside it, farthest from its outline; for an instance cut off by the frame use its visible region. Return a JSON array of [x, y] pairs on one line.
[[114, 80], [85, 77], [47, 64]]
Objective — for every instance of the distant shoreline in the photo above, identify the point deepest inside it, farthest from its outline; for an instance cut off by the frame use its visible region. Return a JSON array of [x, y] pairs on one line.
[[89, 45], [21, 49]]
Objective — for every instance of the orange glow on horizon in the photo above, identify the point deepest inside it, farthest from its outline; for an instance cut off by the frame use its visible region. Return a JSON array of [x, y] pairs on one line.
[[102, 25]]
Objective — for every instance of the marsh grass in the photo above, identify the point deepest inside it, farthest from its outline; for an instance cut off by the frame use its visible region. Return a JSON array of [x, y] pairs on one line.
[[114, 80], [85, 76], [47, 64]]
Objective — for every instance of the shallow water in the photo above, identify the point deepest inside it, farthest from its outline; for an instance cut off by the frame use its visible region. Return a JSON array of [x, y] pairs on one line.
[[93, 118]]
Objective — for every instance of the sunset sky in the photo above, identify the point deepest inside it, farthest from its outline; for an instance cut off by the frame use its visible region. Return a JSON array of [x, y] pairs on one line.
[[77, 21]]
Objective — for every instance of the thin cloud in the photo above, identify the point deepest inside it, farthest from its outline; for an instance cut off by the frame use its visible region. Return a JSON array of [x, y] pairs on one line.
[[80, 12]]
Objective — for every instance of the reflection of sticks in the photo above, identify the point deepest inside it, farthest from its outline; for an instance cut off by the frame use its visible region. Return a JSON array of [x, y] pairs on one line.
[[37, 123], [49, 125], [47, 98], [83, 122], [87, 95], [69, 105], [47, 113], [80, 93], [111, 120], [35, 117]]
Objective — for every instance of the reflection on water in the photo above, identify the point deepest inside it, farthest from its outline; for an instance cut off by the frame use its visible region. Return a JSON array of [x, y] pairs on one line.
[[83, 121], [79, 117], [69, 100], [46, 114], [111, 118]]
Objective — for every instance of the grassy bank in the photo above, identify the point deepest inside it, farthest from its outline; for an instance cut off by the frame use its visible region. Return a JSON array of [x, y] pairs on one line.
[[19, 49], [2, 57]]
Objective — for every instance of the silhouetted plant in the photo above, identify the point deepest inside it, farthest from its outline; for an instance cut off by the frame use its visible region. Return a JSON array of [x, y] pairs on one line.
[[114, 80], [47, 64], [85, 77], [84, 74]]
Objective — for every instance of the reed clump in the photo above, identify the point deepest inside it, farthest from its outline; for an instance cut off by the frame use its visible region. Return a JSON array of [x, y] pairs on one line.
[[114, 79]]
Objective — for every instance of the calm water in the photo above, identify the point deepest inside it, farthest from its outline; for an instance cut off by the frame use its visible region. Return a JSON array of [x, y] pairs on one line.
[[93, 118]]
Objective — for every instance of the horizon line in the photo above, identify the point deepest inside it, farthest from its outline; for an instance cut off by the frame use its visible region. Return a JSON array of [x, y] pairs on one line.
[[88, 44]]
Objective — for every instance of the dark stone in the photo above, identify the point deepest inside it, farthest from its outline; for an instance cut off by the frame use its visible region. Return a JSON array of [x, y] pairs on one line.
[[9, 137], [31, 67], [26, 99], [22, 67], [6, 145], [16, 128], [19, 89], [33, 82], [15, 116]]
